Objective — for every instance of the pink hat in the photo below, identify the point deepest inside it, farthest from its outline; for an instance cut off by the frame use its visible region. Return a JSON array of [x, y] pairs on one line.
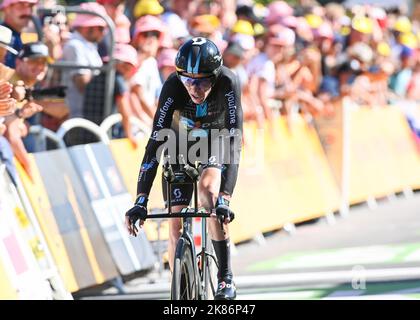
[[126, 53], [282, 36], [148, 23], [277, 10], [87, 20], [324, 31], [290, 21], [7, 3], [166, 58], [110, 2]]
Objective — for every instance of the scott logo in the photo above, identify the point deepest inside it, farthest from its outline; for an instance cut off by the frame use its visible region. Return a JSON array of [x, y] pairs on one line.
[[177, 193], [223, 285]]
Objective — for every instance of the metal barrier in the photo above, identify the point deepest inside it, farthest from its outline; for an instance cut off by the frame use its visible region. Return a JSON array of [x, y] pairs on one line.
[[113, 119], [70, 124]]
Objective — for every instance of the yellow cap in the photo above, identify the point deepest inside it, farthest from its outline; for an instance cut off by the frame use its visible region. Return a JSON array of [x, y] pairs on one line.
[[206, 23], [244, 27], [145, 7], [383, 49], [313, 20], [362, 24], [258, 29], [408, 40], [345, 31], [403, 25]]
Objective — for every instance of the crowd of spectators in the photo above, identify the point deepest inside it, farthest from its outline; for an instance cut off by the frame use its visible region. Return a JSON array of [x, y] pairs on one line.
[[288, 58]]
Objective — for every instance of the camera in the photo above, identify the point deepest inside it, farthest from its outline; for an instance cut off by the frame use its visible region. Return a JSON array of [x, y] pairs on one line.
[[58, 92]]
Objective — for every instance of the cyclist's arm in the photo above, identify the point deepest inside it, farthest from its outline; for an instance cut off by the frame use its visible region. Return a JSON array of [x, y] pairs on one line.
[[162, 120], [234, 123]]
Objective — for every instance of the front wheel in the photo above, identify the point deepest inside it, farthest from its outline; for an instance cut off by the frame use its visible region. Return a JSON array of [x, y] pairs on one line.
[[184, 279], [210, 273]]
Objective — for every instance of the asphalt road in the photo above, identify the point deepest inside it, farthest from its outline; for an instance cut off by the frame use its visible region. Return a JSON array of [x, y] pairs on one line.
[[370, 254]]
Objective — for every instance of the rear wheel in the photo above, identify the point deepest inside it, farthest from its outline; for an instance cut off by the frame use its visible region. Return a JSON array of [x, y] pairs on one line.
[[184, 279]]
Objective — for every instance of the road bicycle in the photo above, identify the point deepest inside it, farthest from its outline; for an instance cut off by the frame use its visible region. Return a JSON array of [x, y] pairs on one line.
[[194, 274]]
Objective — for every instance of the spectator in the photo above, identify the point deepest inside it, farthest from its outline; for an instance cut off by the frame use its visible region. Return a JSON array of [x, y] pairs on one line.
[[175, 18], [233, 58], [115, 10], [277, 10], [7, 104], [56, 30], [146, 83], [361, 30], [82, 49], [263, 66], [31, 69], [413, 90], [126, 67], [17, 15], [208, 26], [353, 75], [400, 81], [166, 63], [31, 66], [246, 12]]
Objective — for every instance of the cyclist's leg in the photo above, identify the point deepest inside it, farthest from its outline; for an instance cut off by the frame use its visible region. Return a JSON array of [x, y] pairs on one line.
[[209, 190], [174, 234], [180, 199]]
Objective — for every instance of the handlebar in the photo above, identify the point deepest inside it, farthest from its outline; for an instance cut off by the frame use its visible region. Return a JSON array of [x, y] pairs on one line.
[[178, 215], [178, 177]]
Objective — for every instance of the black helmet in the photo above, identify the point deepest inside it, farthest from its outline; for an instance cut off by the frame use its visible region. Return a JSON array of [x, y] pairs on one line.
[[199, 56]]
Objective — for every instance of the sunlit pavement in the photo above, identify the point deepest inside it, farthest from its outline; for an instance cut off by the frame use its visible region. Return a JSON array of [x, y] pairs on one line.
[[371, 254]]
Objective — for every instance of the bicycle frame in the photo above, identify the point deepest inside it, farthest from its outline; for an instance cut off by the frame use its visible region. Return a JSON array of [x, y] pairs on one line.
[[200, 269]]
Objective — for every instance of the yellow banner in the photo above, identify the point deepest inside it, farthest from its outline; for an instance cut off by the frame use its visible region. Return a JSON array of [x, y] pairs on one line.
[[284, 178], [128, 160], [42, 208]]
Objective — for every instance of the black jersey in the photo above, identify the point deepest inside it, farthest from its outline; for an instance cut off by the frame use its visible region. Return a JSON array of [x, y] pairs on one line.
[[176, 111]]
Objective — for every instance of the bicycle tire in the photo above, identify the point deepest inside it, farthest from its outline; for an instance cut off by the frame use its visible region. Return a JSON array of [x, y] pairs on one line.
[[211, 274], [184, 278]]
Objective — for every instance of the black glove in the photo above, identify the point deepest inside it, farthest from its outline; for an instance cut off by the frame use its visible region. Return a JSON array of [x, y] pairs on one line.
[[223, 211], [139, 211]]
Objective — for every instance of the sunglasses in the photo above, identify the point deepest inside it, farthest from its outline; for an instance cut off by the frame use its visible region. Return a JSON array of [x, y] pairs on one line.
[[149, 34], [202, 83]]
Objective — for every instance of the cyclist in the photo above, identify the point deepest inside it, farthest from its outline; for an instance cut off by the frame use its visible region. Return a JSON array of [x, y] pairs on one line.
[[200, 96]]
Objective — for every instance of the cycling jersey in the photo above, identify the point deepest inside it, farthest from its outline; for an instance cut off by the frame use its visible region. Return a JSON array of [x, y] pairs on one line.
[[221, 110]]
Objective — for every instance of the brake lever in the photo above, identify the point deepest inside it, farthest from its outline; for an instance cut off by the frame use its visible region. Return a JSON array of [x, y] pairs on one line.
[[189, 170], [168, 172], [221, 219]]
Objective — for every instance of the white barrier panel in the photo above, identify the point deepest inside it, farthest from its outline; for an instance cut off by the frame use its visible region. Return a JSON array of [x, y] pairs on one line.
[[18, 257]]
